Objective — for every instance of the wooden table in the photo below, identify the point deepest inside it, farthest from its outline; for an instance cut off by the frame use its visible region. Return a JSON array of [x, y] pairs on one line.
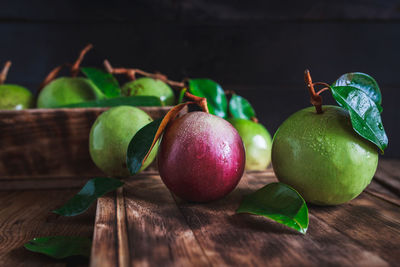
[[145, 225]]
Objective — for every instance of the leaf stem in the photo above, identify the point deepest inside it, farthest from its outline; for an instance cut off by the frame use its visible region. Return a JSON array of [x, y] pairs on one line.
[[315, 98], [200, 101], [76, 65], [131, 74], [4, 72]]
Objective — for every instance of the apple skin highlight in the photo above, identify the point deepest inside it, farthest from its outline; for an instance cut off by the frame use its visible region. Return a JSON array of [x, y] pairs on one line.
[[201, 157]]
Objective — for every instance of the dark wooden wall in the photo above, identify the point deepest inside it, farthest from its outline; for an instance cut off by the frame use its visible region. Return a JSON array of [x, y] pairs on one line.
[[257, 48]]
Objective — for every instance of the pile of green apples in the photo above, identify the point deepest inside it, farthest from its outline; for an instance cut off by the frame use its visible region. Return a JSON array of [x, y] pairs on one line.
[[57, 92], [329, 155]]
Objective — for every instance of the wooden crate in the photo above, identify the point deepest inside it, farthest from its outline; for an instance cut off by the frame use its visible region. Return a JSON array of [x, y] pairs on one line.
[[50, 142]]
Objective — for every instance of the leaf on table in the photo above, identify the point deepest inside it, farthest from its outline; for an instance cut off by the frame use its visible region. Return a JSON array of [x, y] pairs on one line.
[[280, 203], [365, 83], [216, 98], [92, 190], [138, 101], [105, 81], [144, 140], [239, 107], [364, 114], [60, 247]]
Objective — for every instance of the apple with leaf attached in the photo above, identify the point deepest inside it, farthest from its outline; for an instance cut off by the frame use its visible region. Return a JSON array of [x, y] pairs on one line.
[[330, 153]]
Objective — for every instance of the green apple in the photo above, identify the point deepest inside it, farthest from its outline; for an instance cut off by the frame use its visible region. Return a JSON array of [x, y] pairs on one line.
[[257, 142], [15, 97], [110, 136], [322, 157], [68, 90], [150, 87]]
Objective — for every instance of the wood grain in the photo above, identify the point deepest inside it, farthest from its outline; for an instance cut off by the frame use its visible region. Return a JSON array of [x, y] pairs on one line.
[[148, 226], [50, 142], [165, 230], [27, 214]]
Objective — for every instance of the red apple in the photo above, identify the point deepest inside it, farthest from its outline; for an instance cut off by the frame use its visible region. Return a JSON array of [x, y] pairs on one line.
[[201, 157]]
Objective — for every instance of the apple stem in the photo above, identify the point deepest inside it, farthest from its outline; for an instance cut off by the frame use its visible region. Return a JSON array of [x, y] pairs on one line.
[[254, 119], [315, 99], [4, 72], [323, 90], [74, 69], [200, 101], [131, 74], [76, 65], [51, 76]]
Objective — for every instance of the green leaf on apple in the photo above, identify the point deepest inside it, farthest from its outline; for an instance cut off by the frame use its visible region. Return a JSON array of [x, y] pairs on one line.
[[278, 202], [92, 190], [105, 81], [216, 99], [364, 114], [140, 145], [144, 140], [365, 83], [240, 108], [60, 247], [181, 95], [137, 101]]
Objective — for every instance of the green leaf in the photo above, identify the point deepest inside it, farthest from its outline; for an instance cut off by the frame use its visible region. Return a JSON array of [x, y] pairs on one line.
[[105, 81], [216, 99], [138, 101], [280, 203], [364, 114], [364, 82], [182, 95], [239, 107], [140, 145], [93, 189], [60, 247]]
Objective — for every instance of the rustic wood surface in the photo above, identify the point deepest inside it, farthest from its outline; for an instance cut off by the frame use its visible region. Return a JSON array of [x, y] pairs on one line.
[[26, 214], [145, 225], [39, 143]]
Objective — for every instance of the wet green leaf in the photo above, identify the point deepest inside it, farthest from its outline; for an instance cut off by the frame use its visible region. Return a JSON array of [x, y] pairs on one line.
[[105, 81], [60, 247], [364, 114], [138, 101], [92, 190], [364, 82], [240, 108], [280, 203], [216, 99], [140, 145]]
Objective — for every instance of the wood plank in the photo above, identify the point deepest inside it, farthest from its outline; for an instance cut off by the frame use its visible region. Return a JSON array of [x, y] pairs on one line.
[[374, 224], [50, 142], [12, 184], [217, 227], [105, 246], [27, 214], [169, 231], [157, 233], [388, 175]]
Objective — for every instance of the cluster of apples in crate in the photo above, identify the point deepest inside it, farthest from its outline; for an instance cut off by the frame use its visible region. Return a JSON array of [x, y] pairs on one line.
[[329, 155]]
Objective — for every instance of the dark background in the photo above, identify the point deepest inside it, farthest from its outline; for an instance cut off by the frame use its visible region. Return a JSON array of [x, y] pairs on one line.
[[257, 48]]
